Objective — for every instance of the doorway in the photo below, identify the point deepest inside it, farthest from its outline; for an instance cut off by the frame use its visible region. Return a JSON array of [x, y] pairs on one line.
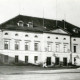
[[48, 62], [64, 61], [57, 61]]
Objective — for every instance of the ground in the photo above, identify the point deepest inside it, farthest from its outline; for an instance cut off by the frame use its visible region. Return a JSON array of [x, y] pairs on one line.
[[37, 73]]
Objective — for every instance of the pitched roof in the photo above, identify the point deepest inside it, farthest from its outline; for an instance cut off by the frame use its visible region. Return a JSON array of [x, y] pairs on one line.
[[49, 25]]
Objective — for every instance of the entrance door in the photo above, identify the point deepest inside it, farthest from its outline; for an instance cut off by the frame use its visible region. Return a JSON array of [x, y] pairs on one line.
[[57, 61], [64, 61], [48, 62]]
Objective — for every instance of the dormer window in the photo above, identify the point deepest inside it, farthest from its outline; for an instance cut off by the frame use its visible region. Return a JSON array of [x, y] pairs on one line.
[[75, 30], [6, 33], [30, 24], [20, 23]]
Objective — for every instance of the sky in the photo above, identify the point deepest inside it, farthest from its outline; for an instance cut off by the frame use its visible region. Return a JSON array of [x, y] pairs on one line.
[[68, 10]]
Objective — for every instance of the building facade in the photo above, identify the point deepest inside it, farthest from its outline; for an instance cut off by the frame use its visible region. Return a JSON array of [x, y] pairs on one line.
[[24, 39]]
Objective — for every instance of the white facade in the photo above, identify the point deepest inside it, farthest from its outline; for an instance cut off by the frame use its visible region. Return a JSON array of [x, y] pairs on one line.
[[43, 46]]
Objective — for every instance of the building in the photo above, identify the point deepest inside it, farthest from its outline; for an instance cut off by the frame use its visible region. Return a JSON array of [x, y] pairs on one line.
[[24, 39]]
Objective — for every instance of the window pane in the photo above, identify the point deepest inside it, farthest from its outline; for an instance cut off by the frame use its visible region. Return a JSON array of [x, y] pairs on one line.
[[26, 59], [26, 45], [16, 45], [6, 44], [36, 46]]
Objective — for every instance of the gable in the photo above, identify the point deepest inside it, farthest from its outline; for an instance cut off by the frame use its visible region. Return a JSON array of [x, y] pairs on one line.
[[60, 31]]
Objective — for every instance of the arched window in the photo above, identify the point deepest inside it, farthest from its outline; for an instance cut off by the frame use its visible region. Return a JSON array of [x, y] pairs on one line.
[[26, 35], [16, 34], [36, 36], [48, 37], [6, 33]]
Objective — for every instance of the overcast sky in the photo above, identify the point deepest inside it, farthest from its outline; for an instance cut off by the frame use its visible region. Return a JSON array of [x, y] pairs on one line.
[[65, 9]]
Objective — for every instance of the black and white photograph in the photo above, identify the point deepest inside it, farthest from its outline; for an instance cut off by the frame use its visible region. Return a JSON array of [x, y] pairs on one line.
[[39, 39]]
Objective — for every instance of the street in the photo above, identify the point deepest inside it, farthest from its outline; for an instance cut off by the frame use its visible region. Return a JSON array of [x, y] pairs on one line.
[[23, 74], [66, 76]]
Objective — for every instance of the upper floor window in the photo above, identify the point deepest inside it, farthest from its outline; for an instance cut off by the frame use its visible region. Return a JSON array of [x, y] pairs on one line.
[[16, 45], [36, 36], [16, 34], [57, 47], [49, 46], [26, 35], [48, 37], [6, 33], [6, 44], [20, 23], [56, 37], [36, 46], [26, 45], [75, 30], [65, 49], [74, 48]]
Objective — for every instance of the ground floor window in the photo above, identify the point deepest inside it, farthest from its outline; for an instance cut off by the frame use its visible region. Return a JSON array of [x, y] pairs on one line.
[[65, 61], [48, 61], [26, 59], [16, 59], [5, 58], [35, 58], [57, 61]]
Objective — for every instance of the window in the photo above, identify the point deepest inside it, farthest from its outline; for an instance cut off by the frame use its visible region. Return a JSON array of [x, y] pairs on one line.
[[35, 58], [74, 39], [48, 37], [75, 30], [5, 58], [64, 38], [26, 35], [16, 45], [65, 48], [57, 47], [16, 34], [74, 48], [36, 36], [20, 23], [57, 61], [26, 59], [36, 46], [56, 37], [49, 46], [6, 44], [26, 45], [16, 59], [6, 33]]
